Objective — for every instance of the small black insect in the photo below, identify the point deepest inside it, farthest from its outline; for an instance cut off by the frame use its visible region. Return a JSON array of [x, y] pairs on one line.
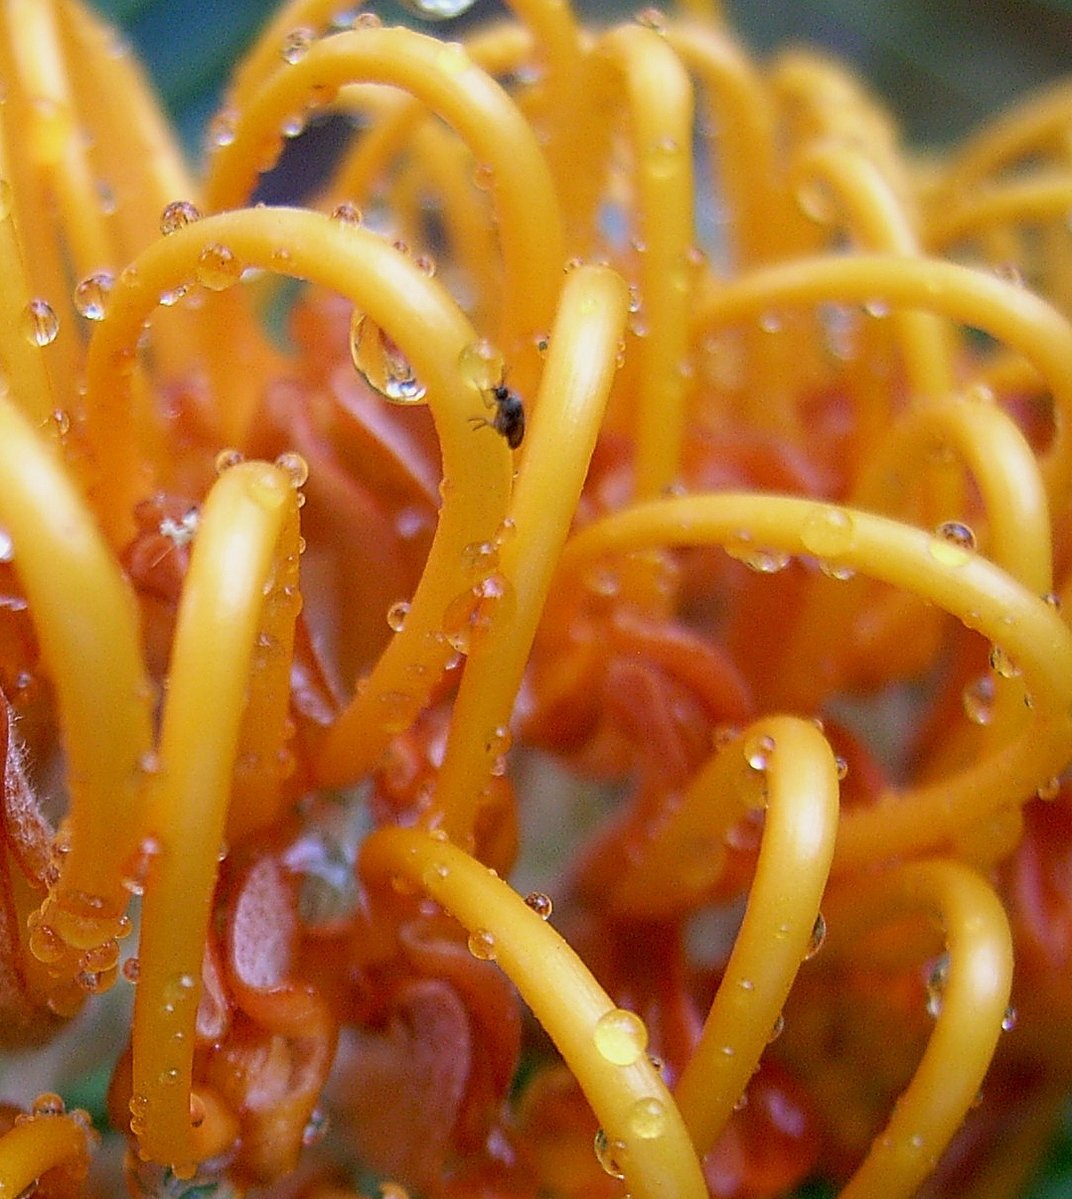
[[509, 418]]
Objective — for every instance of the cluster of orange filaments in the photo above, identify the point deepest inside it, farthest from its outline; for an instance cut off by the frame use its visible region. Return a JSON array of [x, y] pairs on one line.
[[721, 530]]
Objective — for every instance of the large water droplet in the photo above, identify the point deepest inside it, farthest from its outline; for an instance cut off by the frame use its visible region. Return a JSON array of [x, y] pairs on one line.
[[978, 699], [91, 295], [217, 268], [609, 1154], [763, 559], [647, 1119], [40, 324], [396, 615], [294, 466], [828, 532], [177, 215], [438, 10], [936, 984], [296, 45], [818, 936], [381, 363], [228, 458], [1002, 663], [620, 1037], [48, 1103], [482, 944], [347, 214], [481, 364], [758, 750], [952, 544]]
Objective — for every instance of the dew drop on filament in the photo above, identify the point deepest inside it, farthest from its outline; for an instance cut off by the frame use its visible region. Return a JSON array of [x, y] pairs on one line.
[[381, 363]]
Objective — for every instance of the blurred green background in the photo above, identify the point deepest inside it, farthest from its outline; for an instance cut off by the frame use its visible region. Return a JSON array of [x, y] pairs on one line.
[[942, 66]]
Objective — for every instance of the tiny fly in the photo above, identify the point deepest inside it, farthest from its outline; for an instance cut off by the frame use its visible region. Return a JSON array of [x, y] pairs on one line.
[[509, 418]]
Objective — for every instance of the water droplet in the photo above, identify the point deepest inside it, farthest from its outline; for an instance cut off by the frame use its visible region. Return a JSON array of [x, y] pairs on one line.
[[100, 958], [647, 1119], [316, 1129], [468, 618], [482, 945], [177, 215], [132, 970], [842, 768], [762, 559], [936, 984], [381, 363], [1049, 790], [620, 1037], [609, 1154], [777, 1029], [758, 750], [91, 981], [479, 559], [949, 550], [434, 873], [367, 20], [45, 943], [40, 324], [91, 295], [540, 904], [294, 466], [170, 297], [818, 936], [1002, 664], [1009, 272], [396, 615], [437, 10], [499, 741], [48, 1103], [1008, 1020], [878, 309], [664, 157], [978, 699], [221, 130], [602, 580], [816, 202], [347, 214], [770, 322], [292, 126], [651, 18], [225, 459], [828, 532], [398, 710], [481, 364], [296, 45], [217, 268]]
